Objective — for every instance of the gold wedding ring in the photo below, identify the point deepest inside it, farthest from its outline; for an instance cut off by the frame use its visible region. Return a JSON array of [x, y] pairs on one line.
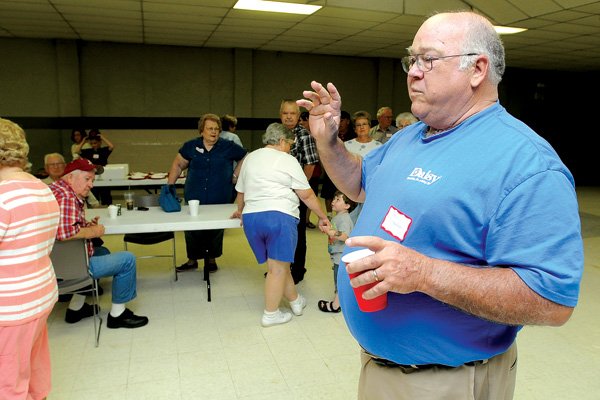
[[375, 275]]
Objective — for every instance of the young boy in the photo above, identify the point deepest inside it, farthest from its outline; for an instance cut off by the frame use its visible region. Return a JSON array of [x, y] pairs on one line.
[[342, 225]]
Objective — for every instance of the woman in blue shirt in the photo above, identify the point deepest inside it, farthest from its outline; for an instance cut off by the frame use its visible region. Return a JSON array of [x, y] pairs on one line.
[[210, 179]]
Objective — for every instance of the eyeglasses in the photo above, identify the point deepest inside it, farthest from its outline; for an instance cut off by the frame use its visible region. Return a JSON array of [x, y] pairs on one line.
[[425, 62], [57, 164], [359, 125]]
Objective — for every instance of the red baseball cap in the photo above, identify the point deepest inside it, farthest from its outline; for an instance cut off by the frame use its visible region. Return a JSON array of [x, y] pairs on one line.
[[83, 164]]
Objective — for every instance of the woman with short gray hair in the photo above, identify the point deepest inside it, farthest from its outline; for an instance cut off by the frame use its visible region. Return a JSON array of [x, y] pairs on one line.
[[276, 132], [270, 183]]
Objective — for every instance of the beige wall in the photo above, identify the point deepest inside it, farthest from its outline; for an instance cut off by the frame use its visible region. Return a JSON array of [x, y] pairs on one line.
[[68, 78], [147, 150]]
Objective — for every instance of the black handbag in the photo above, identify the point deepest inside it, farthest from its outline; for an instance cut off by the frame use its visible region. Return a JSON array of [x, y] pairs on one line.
[[168, 199]]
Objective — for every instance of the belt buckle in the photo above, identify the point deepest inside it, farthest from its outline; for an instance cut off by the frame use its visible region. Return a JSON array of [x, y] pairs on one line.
[[406, 369]]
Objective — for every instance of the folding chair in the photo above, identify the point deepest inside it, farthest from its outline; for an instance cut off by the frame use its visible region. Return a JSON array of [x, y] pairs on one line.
[[71, 266], [145, 239]]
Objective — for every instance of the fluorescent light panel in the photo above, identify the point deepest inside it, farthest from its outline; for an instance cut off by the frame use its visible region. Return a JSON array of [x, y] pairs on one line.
[[276, 6], [508, 30]]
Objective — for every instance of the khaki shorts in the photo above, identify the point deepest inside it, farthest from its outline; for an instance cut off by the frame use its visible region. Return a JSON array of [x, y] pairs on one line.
[[493, 380]]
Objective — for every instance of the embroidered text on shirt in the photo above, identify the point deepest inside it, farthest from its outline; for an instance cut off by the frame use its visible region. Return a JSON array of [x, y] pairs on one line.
[[419, 175]]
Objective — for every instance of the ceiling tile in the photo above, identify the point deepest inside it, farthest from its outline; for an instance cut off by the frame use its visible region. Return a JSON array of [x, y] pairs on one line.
[[249, 29], [531, 23], [341, 22], [315, 41], [74, 11], [593, 20], [354, 14], [534, 8], [261, 15], [175, 8], [382, 28], [571, 28], [262, 23], [26, 7], [591, 8], [500, 11], [564, 16], [572, 3], [425, 7], [396, 6], [193, 19]]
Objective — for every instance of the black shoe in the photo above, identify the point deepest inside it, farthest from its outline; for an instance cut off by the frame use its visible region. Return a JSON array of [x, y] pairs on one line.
[[87, 310], [187, 267], [310, 225], [63, 298], [126, 320], [212, 267]]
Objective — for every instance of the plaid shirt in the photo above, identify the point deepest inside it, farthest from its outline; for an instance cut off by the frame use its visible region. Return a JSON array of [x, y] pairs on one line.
[[304, 149], [72, 213]]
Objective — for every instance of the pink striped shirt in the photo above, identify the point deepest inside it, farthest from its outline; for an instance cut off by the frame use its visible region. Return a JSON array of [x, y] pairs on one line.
[[29, 216]]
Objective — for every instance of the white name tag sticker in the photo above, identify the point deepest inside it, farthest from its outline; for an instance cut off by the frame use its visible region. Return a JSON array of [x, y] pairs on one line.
[[396, 223]]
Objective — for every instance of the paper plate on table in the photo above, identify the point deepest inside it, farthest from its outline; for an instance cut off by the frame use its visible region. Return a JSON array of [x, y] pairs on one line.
[[137, 175], [158, 175]]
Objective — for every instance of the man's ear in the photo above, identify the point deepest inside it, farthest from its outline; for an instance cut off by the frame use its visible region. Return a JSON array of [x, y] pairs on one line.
[[480, 70]]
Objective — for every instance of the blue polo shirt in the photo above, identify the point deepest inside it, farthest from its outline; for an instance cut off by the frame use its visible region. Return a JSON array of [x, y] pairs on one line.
[[487, 192], [210, 172]]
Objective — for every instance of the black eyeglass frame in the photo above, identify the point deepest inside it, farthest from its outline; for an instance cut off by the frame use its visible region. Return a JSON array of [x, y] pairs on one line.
[[410, 60]]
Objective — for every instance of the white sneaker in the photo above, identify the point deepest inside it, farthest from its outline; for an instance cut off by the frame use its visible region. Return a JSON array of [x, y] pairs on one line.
[[298, 305], [275, 319]]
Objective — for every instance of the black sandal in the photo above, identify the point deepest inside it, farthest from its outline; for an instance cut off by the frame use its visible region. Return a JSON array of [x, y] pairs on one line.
[[327, 306]]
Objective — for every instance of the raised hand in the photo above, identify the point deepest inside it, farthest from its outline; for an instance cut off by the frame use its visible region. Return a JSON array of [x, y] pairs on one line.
[[324, 106]]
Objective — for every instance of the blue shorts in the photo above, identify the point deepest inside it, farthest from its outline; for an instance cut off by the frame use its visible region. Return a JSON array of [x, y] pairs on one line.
[[271, 234]]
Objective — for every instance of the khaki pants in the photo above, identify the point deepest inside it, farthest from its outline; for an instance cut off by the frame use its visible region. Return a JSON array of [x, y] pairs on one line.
[[494, 380]]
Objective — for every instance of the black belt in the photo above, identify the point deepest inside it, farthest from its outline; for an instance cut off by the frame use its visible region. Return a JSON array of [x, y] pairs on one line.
[[409, 369]]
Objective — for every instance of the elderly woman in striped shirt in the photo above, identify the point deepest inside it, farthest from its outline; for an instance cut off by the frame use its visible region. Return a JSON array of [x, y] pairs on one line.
[[29, 216]]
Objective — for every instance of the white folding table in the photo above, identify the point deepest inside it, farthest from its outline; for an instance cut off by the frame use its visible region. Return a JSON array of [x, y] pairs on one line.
[[212, 216], [139, 183]]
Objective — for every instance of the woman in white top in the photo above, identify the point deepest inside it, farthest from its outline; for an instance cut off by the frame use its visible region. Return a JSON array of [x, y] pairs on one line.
[[269, 185], [363, 143]]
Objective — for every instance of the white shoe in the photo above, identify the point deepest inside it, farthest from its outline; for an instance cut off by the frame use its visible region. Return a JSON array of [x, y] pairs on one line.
[[275, 319], [298, 305]]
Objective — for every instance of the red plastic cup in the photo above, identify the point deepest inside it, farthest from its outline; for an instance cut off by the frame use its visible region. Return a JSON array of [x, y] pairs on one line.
[[372, 305]]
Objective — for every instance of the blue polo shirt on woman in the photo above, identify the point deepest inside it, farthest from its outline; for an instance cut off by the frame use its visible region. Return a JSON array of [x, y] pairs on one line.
[[210, 172]]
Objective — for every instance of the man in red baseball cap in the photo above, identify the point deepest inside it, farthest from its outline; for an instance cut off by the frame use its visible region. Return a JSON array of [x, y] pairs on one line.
[[83, 164], [70, 192]]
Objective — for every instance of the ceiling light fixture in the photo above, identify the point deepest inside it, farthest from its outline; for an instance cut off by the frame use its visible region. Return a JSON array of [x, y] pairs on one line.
[[276, 6], [507, 30]]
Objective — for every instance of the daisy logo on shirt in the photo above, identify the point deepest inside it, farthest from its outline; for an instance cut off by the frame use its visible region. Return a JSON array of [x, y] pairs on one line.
[[426, 177]]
